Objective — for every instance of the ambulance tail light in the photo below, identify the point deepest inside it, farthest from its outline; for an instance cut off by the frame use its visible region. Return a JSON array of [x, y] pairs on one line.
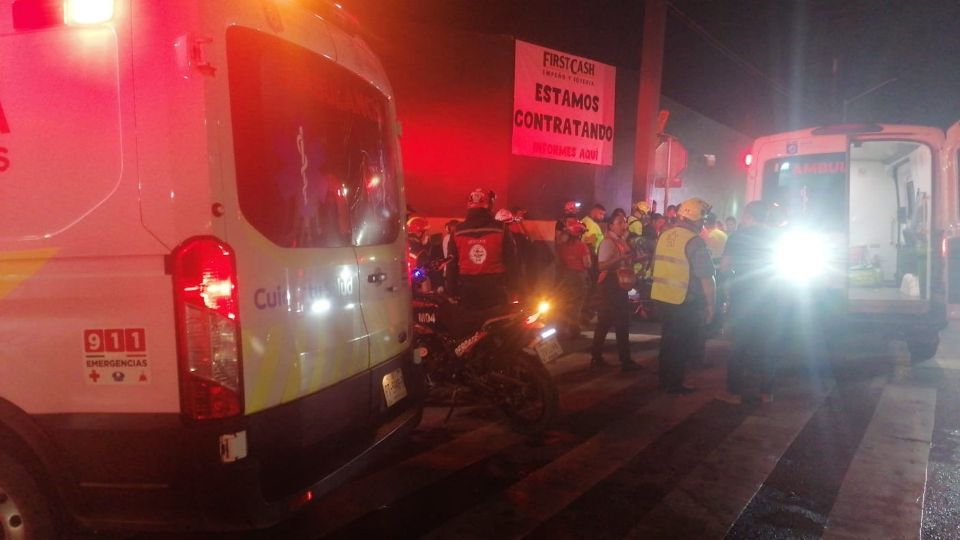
[[80, 12], [208, 329]]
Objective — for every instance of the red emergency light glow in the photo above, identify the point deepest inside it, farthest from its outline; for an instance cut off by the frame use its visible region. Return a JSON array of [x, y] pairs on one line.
[[208, 328], [36, 14], [39, 14], [748, 159]]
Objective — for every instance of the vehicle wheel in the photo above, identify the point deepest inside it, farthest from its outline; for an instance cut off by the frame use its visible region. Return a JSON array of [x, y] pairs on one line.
[[533, 404], [921, 350], [25, 513]]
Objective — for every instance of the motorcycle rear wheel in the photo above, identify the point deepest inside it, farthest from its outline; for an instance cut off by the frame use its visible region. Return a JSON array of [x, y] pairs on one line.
[[533, 406]]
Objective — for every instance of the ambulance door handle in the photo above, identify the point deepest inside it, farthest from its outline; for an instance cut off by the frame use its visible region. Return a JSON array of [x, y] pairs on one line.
[[377, 277]]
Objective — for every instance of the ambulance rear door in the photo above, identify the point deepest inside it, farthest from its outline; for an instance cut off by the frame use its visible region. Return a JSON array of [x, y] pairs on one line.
[[890, 248], [296, 125], [802, 176], [376, 212]]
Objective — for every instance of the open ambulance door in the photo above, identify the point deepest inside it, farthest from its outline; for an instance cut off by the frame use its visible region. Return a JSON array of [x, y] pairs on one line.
[[949, 203], [891, 185]]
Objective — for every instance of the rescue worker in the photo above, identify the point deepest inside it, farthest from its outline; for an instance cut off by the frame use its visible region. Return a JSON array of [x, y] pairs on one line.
[[573, 263], [685, 291], [418, 241], [571, 209], [594, 234], [715, 238], [635, 222], [484, 259], [592, 237], [753, 306]]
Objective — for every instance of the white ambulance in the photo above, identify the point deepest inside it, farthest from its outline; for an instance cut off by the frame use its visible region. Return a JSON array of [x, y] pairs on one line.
[[205, 317], [871, 215]]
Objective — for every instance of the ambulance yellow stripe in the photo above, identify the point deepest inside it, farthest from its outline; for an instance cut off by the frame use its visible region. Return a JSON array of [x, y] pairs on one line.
[[18, 266], [266, 373], [318, 376], [292, 390]]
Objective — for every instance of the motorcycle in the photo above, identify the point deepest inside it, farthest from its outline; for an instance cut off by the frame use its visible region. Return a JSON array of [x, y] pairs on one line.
[[498, 355]]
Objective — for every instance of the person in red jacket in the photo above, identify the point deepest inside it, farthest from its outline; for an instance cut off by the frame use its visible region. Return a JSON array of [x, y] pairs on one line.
[[573, 261], [484, 257]]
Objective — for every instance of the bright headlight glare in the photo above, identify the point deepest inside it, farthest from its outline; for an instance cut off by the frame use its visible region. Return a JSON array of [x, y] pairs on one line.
[[800, 256]]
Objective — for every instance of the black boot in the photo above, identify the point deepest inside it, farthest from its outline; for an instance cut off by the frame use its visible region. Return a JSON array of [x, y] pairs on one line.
[[598, 362]]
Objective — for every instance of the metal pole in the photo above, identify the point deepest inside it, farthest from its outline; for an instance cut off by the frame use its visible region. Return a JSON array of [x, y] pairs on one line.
[[666, 181]]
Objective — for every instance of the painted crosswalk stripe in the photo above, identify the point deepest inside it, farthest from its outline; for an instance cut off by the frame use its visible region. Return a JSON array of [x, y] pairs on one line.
[[882, 492], [386, 486], [634, 338], [711, 497], [519, 509]]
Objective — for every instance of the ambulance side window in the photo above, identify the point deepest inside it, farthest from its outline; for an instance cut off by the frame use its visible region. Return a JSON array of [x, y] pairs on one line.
[[313, 152]]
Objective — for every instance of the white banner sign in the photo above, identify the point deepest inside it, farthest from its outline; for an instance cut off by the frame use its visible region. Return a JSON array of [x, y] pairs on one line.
[[563, 106]]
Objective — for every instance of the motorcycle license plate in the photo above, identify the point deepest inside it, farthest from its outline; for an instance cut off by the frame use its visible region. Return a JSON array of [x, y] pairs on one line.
[[393, 387], [548, 349]]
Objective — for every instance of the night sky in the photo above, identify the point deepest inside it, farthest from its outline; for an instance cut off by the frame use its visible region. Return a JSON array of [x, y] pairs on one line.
[[758, 66]]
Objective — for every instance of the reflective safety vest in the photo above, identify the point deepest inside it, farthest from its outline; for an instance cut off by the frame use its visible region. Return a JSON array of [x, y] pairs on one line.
[[593, 228], [634, 226], [480, 251], [671, 268]]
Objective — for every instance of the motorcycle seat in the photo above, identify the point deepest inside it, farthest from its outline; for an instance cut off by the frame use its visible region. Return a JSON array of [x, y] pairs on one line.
[[461, 322]]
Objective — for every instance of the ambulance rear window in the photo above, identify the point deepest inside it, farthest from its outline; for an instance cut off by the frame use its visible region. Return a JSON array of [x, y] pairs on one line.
[[315, 157], [811, 190]]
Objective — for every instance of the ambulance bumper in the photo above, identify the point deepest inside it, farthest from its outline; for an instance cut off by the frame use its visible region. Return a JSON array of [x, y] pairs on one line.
[[164, 474]]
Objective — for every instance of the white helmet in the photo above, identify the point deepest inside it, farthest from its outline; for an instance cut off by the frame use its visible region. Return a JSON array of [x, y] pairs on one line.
[[504, 215]]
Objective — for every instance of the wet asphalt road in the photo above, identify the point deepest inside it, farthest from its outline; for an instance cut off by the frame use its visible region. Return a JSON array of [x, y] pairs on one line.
[[858, 443]]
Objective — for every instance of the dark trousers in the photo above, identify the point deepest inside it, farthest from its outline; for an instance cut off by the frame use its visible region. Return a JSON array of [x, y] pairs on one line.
[[680, 339], [483, 291], [613, 312], [573, 288], [751, 367]]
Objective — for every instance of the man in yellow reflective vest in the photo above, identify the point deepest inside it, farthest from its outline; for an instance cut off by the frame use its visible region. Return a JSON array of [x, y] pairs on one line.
[[685, 290], [594, 233]]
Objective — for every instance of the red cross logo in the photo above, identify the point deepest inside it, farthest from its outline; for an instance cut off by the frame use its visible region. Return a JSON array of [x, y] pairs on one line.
[[94, 376]]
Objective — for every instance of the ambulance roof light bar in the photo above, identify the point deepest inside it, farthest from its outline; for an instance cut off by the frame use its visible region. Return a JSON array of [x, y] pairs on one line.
[[40, 14]]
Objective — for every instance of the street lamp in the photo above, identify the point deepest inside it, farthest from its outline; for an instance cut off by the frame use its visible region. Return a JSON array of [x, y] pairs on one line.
[[870, 90]]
